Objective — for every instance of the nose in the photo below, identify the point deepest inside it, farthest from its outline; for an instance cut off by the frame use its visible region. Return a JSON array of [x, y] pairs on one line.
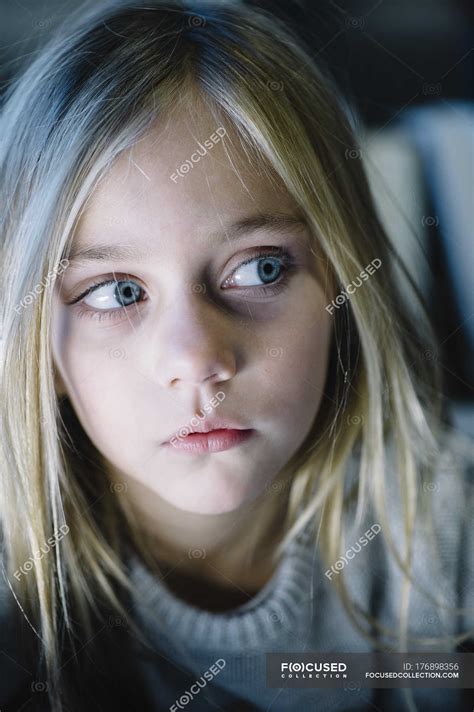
[[194, 346]]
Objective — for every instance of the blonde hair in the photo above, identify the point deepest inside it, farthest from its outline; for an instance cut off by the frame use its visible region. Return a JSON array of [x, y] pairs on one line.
[[92, 92]]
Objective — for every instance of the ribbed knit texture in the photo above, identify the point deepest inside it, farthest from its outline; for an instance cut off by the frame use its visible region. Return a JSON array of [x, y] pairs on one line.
[[273, 614]]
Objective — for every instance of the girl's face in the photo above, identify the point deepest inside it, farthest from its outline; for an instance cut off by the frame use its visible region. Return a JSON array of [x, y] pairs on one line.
[[198, 281]]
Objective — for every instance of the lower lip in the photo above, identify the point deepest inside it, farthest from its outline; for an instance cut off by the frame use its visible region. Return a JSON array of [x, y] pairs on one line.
[[214, 441]]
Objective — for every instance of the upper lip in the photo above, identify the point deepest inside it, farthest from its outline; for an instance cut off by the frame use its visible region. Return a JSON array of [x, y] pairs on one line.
[[205, 426]]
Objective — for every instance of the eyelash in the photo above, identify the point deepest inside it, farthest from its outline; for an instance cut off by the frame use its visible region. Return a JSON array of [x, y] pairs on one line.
[[288, 264]]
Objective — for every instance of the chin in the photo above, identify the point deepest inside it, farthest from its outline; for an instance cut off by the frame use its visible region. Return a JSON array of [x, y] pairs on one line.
[[215, 503]]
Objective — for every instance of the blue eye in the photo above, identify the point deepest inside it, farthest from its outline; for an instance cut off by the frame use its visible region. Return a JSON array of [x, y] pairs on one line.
[[261, 270], [266, 269], [114, 294]]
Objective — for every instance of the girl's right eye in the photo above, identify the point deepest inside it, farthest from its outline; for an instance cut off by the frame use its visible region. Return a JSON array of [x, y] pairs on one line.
[[113, 294]]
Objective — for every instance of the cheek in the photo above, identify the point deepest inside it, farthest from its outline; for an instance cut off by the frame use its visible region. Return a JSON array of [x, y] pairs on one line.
[[102, 387], [295, 368]]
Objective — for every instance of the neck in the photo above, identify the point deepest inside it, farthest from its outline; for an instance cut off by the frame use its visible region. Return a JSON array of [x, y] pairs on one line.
[[233, 545]]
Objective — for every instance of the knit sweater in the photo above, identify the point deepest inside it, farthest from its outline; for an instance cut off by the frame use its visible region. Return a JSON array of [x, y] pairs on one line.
[[298, 610]]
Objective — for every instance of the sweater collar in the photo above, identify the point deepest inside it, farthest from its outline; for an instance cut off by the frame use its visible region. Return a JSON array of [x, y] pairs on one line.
[[278, 612]]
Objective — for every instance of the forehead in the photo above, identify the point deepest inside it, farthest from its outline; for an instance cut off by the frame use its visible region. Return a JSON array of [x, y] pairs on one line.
[[189, 172]]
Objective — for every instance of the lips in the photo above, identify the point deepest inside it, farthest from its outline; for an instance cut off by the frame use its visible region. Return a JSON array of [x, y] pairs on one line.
[[205, 426], [208, 439]]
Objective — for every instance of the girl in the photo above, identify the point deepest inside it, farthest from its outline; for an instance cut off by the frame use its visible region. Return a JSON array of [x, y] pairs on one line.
[[221, 428]]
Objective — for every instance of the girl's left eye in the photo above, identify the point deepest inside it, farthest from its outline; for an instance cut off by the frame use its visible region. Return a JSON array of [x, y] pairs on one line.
[[267, 268]]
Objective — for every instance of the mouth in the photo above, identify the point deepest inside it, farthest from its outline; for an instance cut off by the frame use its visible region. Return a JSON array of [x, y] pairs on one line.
[[215, 440]]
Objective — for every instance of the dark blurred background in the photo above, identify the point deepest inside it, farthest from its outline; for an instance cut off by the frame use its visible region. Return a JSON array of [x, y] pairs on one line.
[[407, 68]]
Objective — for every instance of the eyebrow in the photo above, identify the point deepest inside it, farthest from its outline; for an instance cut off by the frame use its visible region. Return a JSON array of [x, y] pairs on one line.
[[120, 253]]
